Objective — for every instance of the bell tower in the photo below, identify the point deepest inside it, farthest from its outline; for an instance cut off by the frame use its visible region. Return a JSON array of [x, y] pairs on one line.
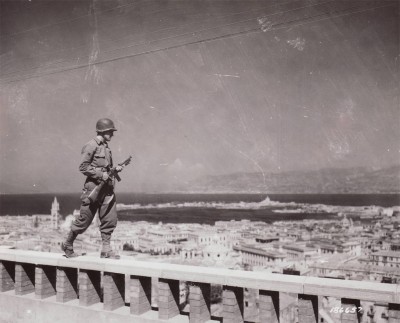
[[55, 211]]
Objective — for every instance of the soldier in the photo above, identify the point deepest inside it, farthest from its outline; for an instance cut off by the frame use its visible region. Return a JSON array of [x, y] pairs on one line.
[[95, 163]]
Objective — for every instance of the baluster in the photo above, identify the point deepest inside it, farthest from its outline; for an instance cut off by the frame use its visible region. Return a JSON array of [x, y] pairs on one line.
[[350, 310], [199, 300], [45, 281], [67, 284], [140, 294], [168, 298], [89, 287], [308, 308], [114, 291], [269, 306], [24, 278], [232, 300], [7, 276]]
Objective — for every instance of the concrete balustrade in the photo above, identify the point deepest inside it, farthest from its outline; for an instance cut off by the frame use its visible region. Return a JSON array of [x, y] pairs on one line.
[[114, 291], [45, 281], [7, 276], [168, 298], [90, 288], [269, 306], [140, 294], [348, 305], [308, 308], [232, 301], [24, 278], [67, 284], [199, 300]]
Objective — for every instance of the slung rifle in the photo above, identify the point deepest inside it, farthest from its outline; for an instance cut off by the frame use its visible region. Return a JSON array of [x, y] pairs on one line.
[[113, 173]]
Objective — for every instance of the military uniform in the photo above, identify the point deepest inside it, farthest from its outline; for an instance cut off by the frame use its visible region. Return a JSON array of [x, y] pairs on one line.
[[95, 164], [96, 158]]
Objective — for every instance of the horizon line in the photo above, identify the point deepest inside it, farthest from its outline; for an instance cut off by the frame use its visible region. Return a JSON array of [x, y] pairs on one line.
[[211, 193]]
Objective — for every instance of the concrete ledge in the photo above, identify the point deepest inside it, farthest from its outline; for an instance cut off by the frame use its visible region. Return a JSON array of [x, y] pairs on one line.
[[366, 291], [8, 254], [235, 278], [84, 262], [37, 258]]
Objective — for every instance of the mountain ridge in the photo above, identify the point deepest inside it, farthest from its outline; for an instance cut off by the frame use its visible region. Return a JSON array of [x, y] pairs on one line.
[[323, 181]]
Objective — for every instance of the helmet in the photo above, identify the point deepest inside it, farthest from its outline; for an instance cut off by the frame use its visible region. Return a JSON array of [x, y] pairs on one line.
[[105, 125]]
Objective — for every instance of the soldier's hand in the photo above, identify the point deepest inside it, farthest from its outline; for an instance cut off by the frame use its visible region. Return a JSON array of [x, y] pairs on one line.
[[119, 168], [105, 176]]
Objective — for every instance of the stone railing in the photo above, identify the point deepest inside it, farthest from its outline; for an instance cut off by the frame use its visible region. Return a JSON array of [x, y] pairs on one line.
[[46, 287]]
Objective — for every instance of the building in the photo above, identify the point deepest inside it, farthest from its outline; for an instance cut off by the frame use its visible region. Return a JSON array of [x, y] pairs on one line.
[[168, 235], [384, 259], [259, 257], [267, 238], [216, 252], [351, 247], [55, 213], [354, 271], [190, 250], [209, 238], [298, 251], [395, 245], [155, 245]]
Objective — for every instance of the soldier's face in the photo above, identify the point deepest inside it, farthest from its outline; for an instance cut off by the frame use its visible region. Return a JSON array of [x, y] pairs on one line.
[[107, 135]]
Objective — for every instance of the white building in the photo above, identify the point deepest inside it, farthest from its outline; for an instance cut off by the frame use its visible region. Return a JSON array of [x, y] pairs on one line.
[[216, 252], [259, 257], [384, 258]]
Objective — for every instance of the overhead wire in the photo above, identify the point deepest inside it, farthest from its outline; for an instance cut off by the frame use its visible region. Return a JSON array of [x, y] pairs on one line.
[[144, 42], [274, 27], [292, 23], [61, 61], [226, 25], [99, 12]]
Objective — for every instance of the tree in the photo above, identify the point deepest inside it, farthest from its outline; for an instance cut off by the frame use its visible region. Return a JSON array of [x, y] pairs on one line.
[[36, 222], [128, 247], [216, 294]]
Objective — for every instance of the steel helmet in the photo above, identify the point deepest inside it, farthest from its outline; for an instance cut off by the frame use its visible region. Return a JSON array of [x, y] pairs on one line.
[[105, 125]]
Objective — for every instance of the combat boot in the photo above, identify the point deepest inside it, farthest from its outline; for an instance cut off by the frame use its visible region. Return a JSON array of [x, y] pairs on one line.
[[67, 245], [106, 251]]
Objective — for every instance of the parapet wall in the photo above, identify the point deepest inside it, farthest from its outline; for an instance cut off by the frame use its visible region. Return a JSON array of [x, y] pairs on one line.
[[46, 287]]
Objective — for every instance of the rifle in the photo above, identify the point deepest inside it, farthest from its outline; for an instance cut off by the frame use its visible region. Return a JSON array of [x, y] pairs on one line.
[[93, 196]]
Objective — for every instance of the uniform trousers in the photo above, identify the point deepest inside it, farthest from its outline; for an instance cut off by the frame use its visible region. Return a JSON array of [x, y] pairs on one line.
[[106, 207]]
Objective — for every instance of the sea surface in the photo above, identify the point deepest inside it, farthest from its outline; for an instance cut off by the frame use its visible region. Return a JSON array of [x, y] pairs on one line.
[[41, 204]]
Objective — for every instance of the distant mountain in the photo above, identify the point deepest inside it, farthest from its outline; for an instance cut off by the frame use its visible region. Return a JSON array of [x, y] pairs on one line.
[[331, 180]]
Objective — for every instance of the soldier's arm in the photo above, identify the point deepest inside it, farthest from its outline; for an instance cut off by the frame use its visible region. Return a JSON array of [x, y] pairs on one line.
[[85, 166]]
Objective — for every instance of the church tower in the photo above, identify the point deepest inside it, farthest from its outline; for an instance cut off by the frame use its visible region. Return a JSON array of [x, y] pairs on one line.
[[55, 211]]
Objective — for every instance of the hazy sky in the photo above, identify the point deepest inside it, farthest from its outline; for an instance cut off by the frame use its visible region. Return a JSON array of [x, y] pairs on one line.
[[196, 88]]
